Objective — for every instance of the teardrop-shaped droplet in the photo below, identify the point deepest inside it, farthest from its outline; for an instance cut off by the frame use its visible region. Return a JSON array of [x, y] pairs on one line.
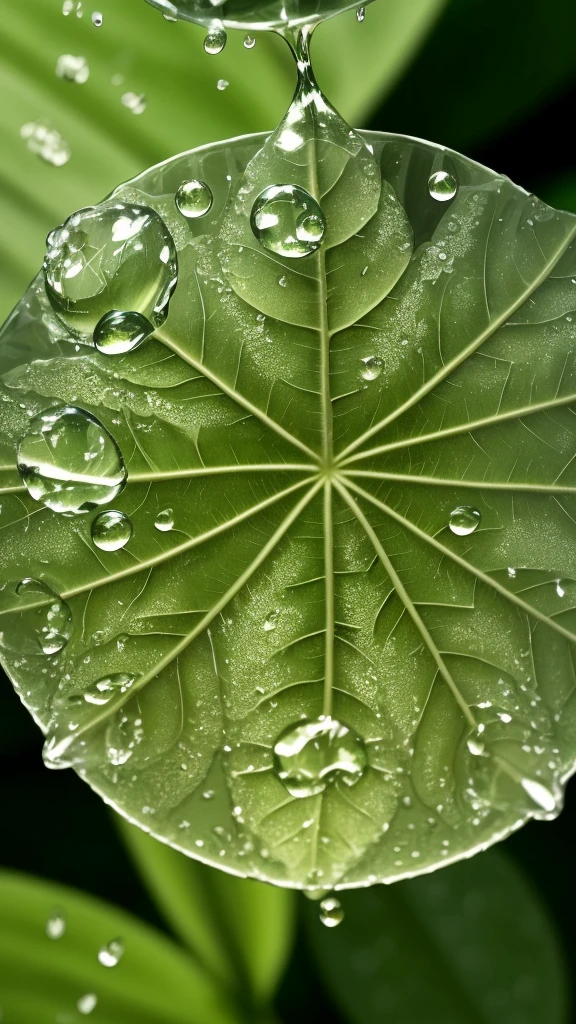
[[110, 257], [215, 41], [56, 924], [371, 368], [164, 520], [331, 913], [33, 618], [442, 186], [194, 198], [111, 954], [119, 332], [464, 520], [69, 461], [313, 753], [287, 220], [361, 14], [102, 692], [111, 530], [249, 42]]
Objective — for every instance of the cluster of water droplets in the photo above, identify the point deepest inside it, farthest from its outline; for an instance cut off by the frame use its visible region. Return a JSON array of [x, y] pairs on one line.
[[108, 955]]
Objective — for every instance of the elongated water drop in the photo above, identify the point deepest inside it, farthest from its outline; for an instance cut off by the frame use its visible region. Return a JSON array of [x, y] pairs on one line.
[[164, 521], [331, 913], [56, 924], [33, 618], [111, 530], [313, 753], [87, 1003], [287, 220], [464, 520], [372, 368], [119, 332], [215, 41], [111, 954], [442, 186], [69, 461], [194, 198], [361, 14], [72, 69]]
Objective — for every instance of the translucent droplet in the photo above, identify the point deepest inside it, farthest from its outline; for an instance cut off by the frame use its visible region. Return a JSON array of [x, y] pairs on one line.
[[222, 84], [33, 618], [372, 367], [111, 954], [110, 257], [69, 461], [87, 1003], [164, 521], [46, 142], [215, 41], [331, 913], [135, 102], [271, 620], [464, 520], [102, 692], [111, 530], [194, 198], [287, 220], [313, 753], [361, 14], [249, 42], [442, 186], [72, 69], [56, 924], [123, 735], [543, 797], [97, 19], [119, 332]]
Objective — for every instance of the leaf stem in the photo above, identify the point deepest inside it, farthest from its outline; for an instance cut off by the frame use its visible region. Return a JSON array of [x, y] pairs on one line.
[[329, 596]]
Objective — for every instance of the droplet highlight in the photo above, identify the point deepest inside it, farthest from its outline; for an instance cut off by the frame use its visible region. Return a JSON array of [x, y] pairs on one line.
[[331, 913], [33, 618], [56, 924], [249, 42], [464, 520], [222, 84], [442, 186], [288, 221], [111, 954], [194, 199], [120, 332], [311, 754]]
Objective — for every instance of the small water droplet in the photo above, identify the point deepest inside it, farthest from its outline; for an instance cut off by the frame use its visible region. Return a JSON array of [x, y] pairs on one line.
[[208, 794], [312, 753], [543, 797], [56, 924], [331, 913], [249, 42], [372, 367], [120, 332], [442, 186], [361, 14], [222, 84], [135, 102], [34, 620], [560, 589], [72, 69], [215, 41], [69, 461], [102, 692], [194, 198], [464, 520], [287, 220], [87, 1003], [97, 19], [111, 530], [164, 520], [111, 954], [271, 620], [46, 142]]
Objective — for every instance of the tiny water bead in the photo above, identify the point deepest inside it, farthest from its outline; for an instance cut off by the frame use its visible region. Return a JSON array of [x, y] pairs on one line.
[[361, 14], [114, 256], [165, 521], [371, 368], [56, 924], [69, 461], [111, 954], [464, 520], [87, 1003], [194, 198], [215, 42], [111, 530], [442, 186], [33, 618], [72, 69], [313, 753], [119, 332], [97, 19], [222, 84], [46, 143], [331, 913], [249, 42], [288, 221], [135, 102], [102, 692]]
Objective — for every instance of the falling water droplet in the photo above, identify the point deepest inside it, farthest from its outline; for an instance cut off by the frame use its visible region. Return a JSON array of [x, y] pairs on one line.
[[310, 754], [372, 367], [287, 220], [442, 186], [102, 692], [222, 84], [111, 530], [87, 1003], [46, 142], [331, 913], [97, 19], [72, 69], [215, 41], [56, 924], [249, 42], [111, 954], [135, 102], [194, 198], [69, 461], [464, 520], [164, 521], [120, 332], [34, 620], [361, 14]]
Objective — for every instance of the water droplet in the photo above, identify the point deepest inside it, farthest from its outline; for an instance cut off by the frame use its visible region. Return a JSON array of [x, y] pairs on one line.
[[331, 913], [215, 41], [69, 461], [56, 924], [287, 220], [560, 588], [464, 520], [249, 42], [119, 332], [102, 692], [361, 14], [87, 1003], [164, 521], [111, 530], [222, 84], [194, 198], [372, 368], [543, 797], [34, 619], [310, 754], [110, 257], [135, 102], [97, 19], [442, 186], [111, 954], [123, 735], [46, 142], [72, 69], [271, 620]]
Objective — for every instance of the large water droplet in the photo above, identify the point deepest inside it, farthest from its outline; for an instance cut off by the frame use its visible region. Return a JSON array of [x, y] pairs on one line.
[[464, 520], [110, 257], [310, 754], [56, 924], [69, 461], [287, 220], [442, 186], [331, 913], [111, 954], [46, 142], [102, 692], [215, 41], [372, 368], [164, 521], [87, 1003], [72, 69], [33, 619], [194, 198], [117, 332], [111, 530]]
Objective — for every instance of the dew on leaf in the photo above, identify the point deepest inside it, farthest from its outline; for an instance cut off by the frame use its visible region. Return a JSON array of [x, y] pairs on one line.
[[312, 753], [102, 692], [97, 19], [87, 1003], [46, 142], [120, 332], [56, 924], [164, 520], [271, 620], [371, 367], [123, 735], [288, 221], [222, 84], [215, 41], [111, 530], [442, 186], [464, 520], [135, 102], [111, 954], [331, 912], [361, 14], [194, 198], [72, 69], [249, 41], [33, 618]]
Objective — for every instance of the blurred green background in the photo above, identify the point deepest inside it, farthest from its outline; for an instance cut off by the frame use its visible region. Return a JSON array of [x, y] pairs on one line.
[[495, 79]]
